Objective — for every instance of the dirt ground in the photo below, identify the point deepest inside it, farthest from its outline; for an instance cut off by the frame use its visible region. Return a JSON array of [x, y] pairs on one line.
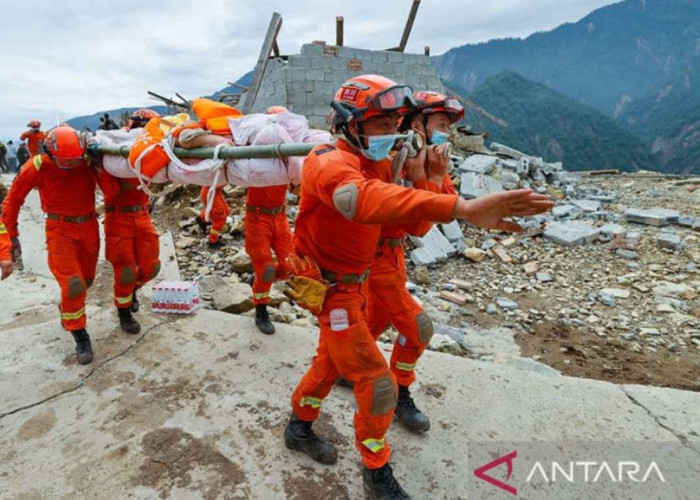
[[580, 354]]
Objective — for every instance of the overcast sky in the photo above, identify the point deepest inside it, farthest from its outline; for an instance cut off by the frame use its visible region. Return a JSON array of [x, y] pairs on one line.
[[64, 58]]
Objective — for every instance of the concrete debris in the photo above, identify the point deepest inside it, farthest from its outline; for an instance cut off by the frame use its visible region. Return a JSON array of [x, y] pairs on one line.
[[501, 253], [572, 233], [670, 241], [652, 217], [480, 164], [454, 297], [474, 254], [476, 185], [506, 303], [452, 231]]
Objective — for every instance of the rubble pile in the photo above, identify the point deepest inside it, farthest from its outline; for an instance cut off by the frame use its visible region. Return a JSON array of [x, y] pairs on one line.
[[617, 258]]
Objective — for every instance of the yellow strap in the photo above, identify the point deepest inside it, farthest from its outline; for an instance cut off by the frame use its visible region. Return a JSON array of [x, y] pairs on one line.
[[263, 295], [214, 231], [75, 315], [37, 162], [311, 401], [123, 300], [3, 229], [374, 445], [406, 367]]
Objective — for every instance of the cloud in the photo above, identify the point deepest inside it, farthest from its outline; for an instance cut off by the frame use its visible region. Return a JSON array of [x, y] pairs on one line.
[[68, 58]]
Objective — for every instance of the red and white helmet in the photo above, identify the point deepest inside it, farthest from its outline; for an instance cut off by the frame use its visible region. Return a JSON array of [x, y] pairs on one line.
[[34, 124]]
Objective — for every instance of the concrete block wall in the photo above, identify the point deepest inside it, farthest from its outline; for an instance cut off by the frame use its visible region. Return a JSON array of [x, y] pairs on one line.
[[306, 82]]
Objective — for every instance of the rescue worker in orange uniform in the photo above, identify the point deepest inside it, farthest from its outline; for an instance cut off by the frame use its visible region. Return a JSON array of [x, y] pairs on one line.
[[66, 185], [217, 217], [131, 240], [347, 194], [389, 300], [267, 229], [34, 137]]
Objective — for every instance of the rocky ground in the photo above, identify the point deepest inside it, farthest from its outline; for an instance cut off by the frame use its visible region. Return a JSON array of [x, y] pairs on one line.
[[610, 299]]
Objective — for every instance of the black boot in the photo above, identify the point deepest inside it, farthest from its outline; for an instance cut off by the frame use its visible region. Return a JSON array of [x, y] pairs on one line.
[[83, 348], [127, 321], [299, 436], [215, 246], [380, 484], [201, 223], [262, 320], [407, 413], [135, 306]]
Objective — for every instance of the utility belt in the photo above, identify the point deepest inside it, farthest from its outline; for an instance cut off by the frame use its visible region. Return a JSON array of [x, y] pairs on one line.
[[345, 279], [127, 209], [265, 210], [391, 242], [76, 219]]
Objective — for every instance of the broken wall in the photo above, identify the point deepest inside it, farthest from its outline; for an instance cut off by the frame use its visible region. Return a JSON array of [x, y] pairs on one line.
[[305, 83]]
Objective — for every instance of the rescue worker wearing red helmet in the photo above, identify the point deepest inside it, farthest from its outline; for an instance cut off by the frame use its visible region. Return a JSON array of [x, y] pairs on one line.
[[389, 302], [66, 185], [34, 137], [131, 240], [267, 230], [347, 194]]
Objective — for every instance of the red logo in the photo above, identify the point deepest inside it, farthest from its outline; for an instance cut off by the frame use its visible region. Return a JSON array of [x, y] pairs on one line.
[[350, 94], [508, 460]]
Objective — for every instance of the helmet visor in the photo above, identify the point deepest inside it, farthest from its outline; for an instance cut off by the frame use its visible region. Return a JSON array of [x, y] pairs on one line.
[[398, 98]]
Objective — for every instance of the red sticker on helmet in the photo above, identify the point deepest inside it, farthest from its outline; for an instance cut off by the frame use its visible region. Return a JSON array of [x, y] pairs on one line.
[[350, 94]]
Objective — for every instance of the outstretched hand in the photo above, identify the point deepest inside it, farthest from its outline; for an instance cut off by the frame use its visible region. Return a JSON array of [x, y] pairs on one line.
[[490, 211]]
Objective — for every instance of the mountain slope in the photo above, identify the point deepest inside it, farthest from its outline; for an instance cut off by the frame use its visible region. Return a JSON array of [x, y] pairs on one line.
[[545, 123], [613, 55], [668, 117]]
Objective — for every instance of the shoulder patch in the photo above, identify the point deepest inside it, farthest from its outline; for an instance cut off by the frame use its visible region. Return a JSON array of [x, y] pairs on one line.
[[325, 150]]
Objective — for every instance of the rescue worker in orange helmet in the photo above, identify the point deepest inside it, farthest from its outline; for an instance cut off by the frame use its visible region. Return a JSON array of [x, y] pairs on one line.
[[66, 185], [347, 194], [389, 300], [131, 240], [267, 229], [217, 217], [34, 137]]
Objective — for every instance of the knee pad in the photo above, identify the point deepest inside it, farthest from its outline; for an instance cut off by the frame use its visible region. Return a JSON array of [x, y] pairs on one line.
[[76, 287], [268, 274], [127, 276], [425, 328], [384, 395]]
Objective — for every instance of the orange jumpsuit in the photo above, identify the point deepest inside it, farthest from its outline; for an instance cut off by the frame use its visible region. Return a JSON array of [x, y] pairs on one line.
[[341, 235], [389, 300], [34, 140], [131, 240], [267, 229], [72, 238], [219, 211]]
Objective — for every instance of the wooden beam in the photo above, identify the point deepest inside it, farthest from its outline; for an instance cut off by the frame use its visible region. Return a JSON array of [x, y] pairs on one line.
[[276, 48], [270, 38], [243, 87], [339, 31], [409, 25], [426, 50]]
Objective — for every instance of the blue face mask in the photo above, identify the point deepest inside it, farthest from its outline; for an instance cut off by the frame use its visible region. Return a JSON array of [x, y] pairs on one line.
[[379, 146], [439, 137]]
